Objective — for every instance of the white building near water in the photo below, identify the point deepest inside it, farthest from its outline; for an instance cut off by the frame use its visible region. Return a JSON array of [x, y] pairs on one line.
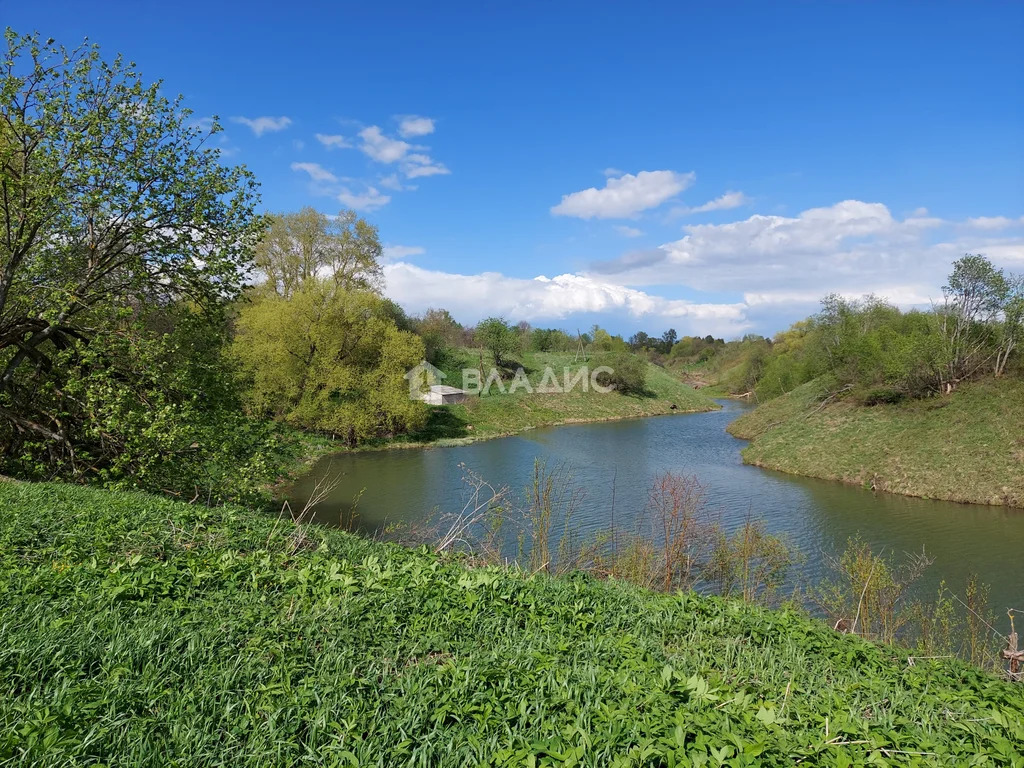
[[442, 394]]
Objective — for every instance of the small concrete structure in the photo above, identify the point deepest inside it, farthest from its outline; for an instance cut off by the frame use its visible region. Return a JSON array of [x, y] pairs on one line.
[[442, 394]]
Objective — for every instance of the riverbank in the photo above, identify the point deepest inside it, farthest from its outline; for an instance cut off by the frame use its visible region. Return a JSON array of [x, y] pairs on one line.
[[154, 631], [965, 447], [502, 414]]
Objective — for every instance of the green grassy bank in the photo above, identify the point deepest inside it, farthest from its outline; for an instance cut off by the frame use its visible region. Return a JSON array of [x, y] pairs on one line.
[[968, 446], [497, 414], [138, 631]]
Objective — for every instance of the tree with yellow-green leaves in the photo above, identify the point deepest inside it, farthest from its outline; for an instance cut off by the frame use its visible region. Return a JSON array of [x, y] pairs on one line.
[[317, 346]]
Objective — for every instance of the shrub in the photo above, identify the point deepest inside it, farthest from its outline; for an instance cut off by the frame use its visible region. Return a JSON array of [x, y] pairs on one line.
[[499, 338], [628, 373]]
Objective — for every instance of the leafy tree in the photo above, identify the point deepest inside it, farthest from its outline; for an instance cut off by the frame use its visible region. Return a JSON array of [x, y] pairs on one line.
[[639, 341], [329, 360], [552, 340], [499, 338], [604, 342], [307, 244], [114, 212], [628, 373], [668, 338], [974, 299], [440, 333]]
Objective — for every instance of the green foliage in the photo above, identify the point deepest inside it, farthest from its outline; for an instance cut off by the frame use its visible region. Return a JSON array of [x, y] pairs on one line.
[[694, 348], [125, 238], [876, 352], [500, 339], [627, 374], [298, 247], [552, 340], [150, 632], [329, 360], [751, 563], [441, 336], [602, 341], [163, 412]]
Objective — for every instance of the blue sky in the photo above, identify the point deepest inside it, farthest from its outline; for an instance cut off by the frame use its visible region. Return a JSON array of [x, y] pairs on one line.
[[714, 168]]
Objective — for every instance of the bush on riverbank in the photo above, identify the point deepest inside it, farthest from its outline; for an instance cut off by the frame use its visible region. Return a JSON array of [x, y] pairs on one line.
[[151, 632]]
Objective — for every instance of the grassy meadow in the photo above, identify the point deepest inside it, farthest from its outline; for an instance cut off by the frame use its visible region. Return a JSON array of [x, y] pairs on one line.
[[967, 446], [139, 631]]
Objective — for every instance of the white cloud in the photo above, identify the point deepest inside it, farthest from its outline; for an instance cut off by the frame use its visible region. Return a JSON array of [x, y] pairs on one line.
[[316, 171], [413, 160], [777, 269], [261, 125], [413, 125], [333, 140], [625, 196], [994, 222], [612, 172], [629, 231], [399, 252], [417, 165], [381, 148], [369, 200], [472, 297], [851, 248], [721, 203]]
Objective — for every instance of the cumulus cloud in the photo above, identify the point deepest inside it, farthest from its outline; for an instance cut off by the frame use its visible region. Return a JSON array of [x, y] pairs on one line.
[[379, 147], [412, 160], [472, 297], [413, 125], [316, 171], [368, 200], [333, 140], [721, 203], [261, 125], [852, 248], [624, 196], [629, 231]]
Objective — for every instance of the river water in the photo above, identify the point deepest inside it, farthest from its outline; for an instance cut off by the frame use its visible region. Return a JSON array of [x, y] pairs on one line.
[[411, 486]]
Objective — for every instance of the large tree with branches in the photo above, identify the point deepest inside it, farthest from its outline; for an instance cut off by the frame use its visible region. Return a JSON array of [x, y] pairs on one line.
[[117, 220]]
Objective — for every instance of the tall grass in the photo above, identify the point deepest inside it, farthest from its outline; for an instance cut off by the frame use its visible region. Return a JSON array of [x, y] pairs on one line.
[[677, 544]]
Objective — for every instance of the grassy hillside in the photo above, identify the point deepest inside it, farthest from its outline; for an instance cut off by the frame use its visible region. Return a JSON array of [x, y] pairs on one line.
[[497, 414], [968, 446], [138, 631]]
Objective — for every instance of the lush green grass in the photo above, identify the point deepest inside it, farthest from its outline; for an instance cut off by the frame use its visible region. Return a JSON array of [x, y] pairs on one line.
[[968, 446], [497, 414], [138, 631]]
